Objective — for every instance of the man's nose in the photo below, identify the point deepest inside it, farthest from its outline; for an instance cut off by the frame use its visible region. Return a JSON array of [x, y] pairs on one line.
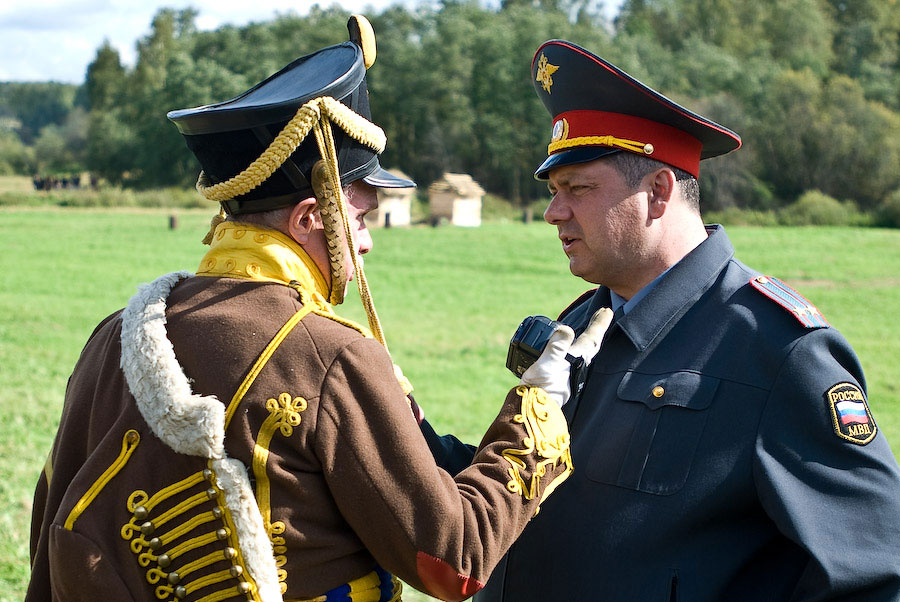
[[556, 211], [364, 239]]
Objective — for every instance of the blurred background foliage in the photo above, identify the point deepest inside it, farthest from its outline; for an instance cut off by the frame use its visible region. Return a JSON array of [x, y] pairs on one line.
[[812, 86]]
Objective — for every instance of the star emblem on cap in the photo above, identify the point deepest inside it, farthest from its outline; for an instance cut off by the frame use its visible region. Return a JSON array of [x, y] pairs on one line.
[[545, 73]]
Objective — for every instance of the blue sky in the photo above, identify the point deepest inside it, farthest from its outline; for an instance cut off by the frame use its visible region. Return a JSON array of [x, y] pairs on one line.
[[43, 40]]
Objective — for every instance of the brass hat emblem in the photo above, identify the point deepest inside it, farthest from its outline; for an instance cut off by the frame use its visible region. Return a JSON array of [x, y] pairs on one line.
[[545, 72], [560, 130]]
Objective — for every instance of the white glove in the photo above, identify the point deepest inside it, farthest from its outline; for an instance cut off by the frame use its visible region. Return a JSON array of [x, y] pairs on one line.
[[551, 370]]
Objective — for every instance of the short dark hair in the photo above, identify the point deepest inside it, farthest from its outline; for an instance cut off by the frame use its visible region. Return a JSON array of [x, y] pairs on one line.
[[634, 167], [274, 219]]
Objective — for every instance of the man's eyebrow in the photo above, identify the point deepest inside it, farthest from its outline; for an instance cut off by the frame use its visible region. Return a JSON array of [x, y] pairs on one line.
[[562, 182]]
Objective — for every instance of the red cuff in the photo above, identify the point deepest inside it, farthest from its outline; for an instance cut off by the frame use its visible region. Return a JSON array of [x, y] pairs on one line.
[[443, 581]]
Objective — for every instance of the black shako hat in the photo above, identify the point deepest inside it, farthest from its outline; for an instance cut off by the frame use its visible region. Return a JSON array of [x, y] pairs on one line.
[[598, 109], [227, 137]]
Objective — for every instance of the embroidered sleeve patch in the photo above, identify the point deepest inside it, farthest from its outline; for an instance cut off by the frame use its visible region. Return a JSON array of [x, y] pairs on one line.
[[850, 414]]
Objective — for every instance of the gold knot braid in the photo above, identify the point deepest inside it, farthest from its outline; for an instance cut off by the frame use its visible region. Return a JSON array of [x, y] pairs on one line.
[[321, 110]]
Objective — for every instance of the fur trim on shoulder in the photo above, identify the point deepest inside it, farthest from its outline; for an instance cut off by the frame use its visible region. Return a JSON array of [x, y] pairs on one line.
[[256, 547], [188, 423], [191, 424]]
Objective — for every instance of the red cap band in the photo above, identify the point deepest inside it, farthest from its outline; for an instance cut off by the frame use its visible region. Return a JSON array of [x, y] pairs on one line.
[[574, 129]]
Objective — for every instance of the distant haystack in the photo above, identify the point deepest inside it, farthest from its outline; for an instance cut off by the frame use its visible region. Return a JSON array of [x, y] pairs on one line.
[[455, 197], [393, 206]]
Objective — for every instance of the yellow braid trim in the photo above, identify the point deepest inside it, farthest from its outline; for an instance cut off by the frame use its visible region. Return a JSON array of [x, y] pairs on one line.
[[630, 145], [129, 443], [323, 109], [547, 437]]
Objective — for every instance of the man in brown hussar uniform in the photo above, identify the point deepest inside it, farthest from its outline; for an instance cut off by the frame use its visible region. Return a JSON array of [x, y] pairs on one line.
[[227, 436]]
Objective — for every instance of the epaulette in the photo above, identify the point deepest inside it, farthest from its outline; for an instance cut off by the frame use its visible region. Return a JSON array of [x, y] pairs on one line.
[[584, 296], [807, 313]]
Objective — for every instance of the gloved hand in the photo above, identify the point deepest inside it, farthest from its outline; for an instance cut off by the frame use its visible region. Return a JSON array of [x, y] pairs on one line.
[[551, 370]]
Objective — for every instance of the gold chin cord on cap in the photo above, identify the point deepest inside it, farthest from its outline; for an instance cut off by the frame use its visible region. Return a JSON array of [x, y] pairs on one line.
[[333, 210], [317, 116]]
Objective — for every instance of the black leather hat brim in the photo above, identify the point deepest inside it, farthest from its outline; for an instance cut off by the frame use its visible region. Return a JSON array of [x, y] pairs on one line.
[[382, 178], [583, 154]]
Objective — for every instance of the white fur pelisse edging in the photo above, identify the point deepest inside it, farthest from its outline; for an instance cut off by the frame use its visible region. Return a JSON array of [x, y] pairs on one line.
[[251, 533], [188, 423]]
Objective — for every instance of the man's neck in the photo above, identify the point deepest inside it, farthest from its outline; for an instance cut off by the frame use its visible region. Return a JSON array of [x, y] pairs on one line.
[[676, 242]]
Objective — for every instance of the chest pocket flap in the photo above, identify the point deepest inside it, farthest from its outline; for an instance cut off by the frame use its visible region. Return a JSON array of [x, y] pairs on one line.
[[657, 421], [682, 389]]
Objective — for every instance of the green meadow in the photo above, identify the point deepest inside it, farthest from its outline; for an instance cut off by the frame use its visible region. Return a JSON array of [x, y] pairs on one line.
[[448, 298]]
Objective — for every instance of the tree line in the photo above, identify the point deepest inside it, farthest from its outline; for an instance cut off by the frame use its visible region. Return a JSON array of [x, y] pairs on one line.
[[812, 86]]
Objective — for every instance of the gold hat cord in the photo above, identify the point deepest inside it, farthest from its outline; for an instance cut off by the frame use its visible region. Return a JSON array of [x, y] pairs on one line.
[[325, 140], [317, 116]]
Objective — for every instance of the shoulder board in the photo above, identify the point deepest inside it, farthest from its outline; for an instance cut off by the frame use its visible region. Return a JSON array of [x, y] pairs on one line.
[[776, 290], [584, 297]]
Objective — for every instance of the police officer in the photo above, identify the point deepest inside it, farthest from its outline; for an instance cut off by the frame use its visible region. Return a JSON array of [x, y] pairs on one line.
[[228, 436], [722, 438]]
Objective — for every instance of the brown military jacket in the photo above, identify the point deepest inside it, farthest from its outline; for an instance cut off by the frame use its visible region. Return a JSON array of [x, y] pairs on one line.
[[207, 451]]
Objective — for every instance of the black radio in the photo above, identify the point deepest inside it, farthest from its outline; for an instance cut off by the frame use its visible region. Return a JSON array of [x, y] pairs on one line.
[[528, 342]]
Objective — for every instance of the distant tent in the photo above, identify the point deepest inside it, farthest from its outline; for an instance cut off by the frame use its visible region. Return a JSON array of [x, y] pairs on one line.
[[456, 198], [393, 206]]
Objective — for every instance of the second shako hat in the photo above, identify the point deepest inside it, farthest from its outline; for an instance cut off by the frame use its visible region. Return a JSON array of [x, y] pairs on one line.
[[598, 109]]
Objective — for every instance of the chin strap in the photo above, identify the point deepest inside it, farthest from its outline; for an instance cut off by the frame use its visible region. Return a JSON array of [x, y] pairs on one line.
[[340, 238]]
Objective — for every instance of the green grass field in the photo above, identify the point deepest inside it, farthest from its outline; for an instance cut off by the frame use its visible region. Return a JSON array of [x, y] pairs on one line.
[[449, 299]]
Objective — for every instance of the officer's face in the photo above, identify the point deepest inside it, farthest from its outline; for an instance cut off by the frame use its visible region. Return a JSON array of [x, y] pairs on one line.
[[601, 222], [361, 199]]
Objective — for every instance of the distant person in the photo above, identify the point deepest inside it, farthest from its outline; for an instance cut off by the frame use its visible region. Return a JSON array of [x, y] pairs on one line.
[[723, 442], [228, 436]]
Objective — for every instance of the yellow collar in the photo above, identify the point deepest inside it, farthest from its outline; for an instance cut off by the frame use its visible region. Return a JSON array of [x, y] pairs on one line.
[[249, 252]]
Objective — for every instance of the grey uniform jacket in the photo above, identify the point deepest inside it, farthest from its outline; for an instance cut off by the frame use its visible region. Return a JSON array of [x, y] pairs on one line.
[[712, 459]]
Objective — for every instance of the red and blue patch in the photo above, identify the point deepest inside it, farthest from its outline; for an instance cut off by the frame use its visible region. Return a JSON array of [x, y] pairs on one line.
[[851, 417]]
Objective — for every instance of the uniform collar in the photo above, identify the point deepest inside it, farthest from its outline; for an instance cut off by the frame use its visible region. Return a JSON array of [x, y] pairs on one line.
[[675, 291], [249, 252], [627, 305]]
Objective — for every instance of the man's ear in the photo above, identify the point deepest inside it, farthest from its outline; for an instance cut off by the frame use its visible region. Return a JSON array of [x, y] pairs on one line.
[[303, 220], [662, 186]]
